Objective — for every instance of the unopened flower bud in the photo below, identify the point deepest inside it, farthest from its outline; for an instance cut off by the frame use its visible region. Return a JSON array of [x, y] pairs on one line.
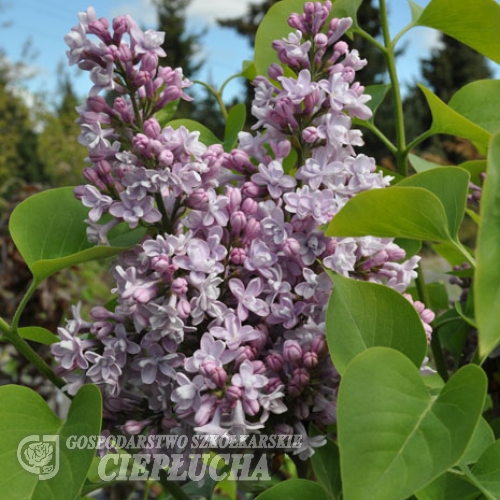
[[310, 134], [301, 376], [291, 247], [135, 427], [310, 359], [251, 406], [301, 410], [152, 128], [179, 286], [321, 40], [197, 199], [292, 352], [252, 229], [234, 195], [249, 206], [250, 189], [183, 308], [274, 361], [318, 345], [238, 222], [233, 392], [218, 376], [275, 71]]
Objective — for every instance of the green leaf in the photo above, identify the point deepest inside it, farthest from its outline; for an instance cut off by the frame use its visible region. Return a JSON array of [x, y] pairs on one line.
[[448, 486], [294, 489], [378, 93], [422, 165], [446, 120], [479, 102], [451, 186], [24, 413], [50, 233], [326, 466], [482, 439], [487, 470], [475, 169], [234, 125], [411, 247], [394, 437], [404, 212], [449, 252], [416, 11], [38, 334], [248, 70], [473, 23], [362, 315], [487, 281], [438, 295], [274, 26], [207, 137], [167, 113], [346, 8]]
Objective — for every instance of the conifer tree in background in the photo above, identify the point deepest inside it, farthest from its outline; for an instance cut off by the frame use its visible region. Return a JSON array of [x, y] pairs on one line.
[[450, 66]]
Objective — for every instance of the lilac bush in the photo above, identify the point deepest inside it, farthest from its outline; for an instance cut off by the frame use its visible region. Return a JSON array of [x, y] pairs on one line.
[[219, 319]]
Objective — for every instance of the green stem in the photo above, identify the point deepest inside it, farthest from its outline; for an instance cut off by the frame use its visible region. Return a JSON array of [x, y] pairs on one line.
[[217, 95], [172, 487], [11, 335], [417, 141], [437, 350], [22, 305], [380, 135], [470, 259], [396, 91]]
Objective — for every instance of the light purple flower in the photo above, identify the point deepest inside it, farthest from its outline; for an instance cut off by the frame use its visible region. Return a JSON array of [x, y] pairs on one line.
[[248, 297]]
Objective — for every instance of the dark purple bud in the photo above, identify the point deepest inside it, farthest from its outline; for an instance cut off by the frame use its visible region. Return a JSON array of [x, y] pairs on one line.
[[301, 376], [292, 352], [310, 359], [233, 392], [97, 104], [301, 410], [275, 71], [318, 345], [78, 192], [91, 175], [294, 388], [274, 361], [134, 427], [251, 406]]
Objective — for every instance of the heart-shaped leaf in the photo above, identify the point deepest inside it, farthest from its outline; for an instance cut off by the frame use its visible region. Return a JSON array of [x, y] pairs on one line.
[[394, 436], [445, 120], [479, 102], [487, 470], [404, 212], [294, 489], [362, 315], [451, 186], [50, 232], [487, 284], [25, 421], [473, 23]]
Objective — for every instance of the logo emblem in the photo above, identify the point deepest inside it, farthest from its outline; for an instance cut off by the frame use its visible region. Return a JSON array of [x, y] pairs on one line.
[[39, 454]]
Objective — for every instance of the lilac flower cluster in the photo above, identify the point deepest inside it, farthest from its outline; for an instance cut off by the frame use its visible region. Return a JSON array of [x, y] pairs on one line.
[[219, 319]]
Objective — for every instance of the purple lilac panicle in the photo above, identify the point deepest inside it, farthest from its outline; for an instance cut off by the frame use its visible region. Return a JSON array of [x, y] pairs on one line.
[[219, 321]]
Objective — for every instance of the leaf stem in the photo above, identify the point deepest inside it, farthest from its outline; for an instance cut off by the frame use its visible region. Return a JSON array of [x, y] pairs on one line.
[[437, 350], [22, 305], [401, 153], [470, 477], [217, 95], [172, 487]]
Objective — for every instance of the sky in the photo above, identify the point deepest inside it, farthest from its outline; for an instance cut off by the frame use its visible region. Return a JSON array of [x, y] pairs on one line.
[[44, 24]]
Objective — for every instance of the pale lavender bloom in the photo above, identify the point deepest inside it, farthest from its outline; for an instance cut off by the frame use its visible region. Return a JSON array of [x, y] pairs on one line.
[[121, 345], [132, 211], [187, 394], [164, 319], [248, 297], [273, 178], [314, 284], [98, 233], [158, 368], [147, 41], [104, 369], [233, 333], [272, 403], [213, 427], [98, 202], [206, 302], [308, 444], [247, 380], [312, 245], [344, 258], [103, 78], [70, 350], [285, 312], [210, 349], [298, 88], [275, 226], [239, 424], [259, 257]]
